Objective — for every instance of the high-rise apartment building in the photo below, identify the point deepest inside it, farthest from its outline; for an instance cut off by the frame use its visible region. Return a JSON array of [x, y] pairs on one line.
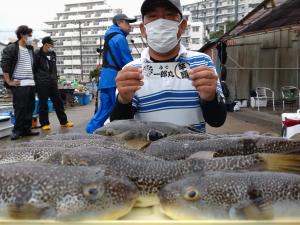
[[214, 13], [78, 32]]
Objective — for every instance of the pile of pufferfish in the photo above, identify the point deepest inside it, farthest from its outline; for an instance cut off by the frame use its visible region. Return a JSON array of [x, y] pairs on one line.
[[131, 163]]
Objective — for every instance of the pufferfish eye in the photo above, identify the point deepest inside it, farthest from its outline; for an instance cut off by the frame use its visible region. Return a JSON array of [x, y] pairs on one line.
[[191, 195], [93, 192]]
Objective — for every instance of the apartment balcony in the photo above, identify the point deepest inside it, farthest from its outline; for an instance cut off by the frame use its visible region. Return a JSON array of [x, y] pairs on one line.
[[77, 9], [76, 17], [75, 62], [70, 53], [86, 9], [136, 40], [72, 71], [108, 15], [71, 43], [90, 53], [90, 63], [89, 43], [70, 34]]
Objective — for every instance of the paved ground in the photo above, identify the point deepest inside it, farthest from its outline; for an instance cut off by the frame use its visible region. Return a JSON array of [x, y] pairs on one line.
[[247, 119], [250, 120], [80, 115]]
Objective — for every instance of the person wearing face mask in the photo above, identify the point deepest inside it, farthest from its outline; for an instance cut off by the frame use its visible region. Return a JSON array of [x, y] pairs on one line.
[[46, 85], [116, 54], [17, 64], [194, 101]]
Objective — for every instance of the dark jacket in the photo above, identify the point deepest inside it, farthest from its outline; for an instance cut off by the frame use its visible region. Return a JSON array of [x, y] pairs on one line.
[[120, 49], [45, 69], [10, 58]]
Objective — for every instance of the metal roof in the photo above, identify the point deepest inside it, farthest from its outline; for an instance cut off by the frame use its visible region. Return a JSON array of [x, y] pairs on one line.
[[286, 14], [270, 14]]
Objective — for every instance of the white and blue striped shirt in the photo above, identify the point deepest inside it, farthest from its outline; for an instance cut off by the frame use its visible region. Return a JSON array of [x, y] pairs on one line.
[[23, 70], [172, 100]]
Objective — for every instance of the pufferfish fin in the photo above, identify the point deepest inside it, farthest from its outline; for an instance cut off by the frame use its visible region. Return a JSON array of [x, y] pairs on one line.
[[259, 208], [29, 208]]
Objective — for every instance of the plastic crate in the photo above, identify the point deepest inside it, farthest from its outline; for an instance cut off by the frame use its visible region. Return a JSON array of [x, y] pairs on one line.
[[80, 99], [87, 99], [50, 106], [36, 106]]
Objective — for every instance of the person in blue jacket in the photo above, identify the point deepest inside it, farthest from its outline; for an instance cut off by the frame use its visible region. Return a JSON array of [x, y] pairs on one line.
[[116, 54]]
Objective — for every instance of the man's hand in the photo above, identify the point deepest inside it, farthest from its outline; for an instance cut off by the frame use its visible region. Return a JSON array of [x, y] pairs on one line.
[[14, 83], [128, 81], [205, 81]]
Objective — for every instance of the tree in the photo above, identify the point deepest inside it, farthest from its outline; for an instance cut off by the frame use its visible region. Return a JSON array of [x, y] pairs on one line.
[[94, 74], [228, 24]]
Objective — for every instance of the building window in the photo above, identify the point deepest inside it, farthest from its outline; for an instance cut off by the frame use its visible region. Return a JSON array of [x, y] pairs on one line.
[[195, 41], [196, 29], [96, 23], [89, 7], [65, 17]]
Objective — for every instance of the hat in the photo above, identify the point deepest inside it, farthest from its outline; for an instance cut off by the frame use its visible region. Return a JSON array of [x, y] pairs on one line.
[[119, 17], [148, 5], [48, 40]]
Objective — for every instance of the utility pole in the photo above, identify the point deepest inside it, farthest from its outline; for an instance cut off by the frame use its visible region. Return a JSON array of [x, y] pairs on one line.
[[236, 9], [80, 46], [100, 50], [215, 14], [198, 9], [203, 10]]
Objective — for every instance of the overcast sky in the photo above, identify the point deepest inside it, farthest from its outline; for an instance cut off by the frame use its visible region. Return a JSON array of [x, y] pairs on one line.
[[34, 12]]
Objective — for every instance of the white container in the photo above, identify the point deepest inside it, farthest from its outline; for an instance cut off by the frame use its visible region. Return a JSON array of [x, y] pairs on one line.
[[5, 126], [254, 102], [242, 103], [289, 132]]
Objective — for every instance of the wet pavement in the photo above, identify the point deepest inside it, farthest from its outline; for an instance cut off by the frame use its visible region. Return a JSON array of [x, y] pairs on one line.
[[247, 119], [79, 115]]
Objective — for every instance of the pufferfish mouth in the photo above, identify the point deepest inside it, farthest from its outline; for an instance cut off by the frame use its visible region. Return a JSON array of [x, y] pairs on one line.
[[111, 211], [167, 197], [177, 211]]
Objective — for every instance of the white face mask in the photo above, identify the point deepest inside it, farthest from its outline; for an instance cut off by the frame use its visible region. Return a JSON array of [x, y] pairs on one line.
[[162, 35], [29, 40], [50, 49]]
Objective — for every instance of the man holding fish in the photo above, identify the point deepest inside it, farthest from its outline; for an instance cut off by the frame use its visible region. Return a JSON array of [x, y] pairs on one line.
[[169, 83]]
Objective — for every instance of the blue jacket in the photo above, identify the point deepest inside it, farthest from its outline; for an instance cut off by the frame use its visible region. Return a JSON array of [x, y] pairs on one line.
[[120, 49]]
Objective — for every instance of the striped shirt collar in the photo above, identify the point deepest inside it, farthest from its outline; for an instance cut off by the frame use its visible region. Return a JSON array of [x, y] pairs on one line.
[[145, 56]]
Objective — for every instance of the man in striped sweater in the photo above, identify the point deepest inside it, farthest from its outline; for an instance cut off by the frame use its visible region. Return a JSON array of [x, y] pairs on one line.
[[195, 100], [17, 65]]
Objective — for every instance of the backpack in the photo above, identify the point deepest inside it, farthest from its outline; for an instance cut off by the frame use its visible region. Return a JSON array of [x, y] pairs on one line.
[[225, 89], [106, 51]]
